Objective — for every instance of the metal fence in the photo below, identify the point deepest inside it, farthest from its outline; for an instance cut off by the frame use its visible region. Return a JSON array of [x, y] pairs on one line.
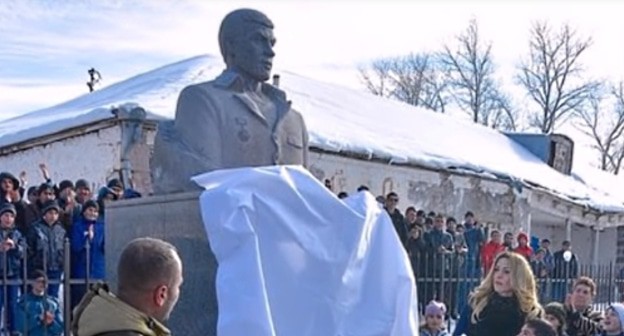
[[23, 284], [451, 277]]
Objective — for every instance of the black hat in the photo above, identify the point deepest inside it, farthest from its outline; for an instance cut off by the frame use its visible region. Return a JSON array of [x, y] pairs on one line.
[[114, 183], [43, 187], [82, 183], [7, 175], [90, 204], [66, 184], [49, 205], [557, 310], [7, 207]]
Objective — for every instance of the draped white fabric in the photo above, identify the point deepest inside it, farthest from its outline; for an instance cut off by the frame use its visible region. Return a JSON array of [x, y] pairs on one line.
[[294, 260]]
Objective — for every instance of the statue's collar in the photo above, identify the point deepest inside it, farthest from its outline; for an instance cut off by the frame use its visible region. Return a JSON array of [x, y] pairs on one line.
[[232, 80]]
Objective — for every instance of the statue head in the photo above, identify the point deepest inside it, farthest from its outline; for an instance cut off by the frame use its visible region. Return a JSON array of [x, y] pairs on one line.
[[246, 41]]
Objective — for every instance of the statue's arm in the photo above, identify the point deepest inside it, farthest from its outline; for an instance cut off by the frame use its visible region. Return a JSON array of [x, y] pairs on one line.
[[197, 120]]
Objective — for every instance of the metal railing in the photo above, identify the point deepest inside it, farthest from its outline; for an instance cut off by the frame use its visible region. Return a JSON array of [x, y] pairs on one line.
[[450, 277], [12, 283]]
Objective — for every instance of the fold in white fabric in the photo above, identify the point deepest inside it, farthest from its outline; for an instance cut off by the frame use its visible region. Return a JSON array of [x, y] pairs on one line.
[[294, 260]]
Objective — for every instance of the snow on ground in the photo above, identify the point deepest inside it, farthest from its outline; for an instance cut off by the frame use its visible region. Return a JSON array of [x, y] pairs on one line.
[[339, 119]]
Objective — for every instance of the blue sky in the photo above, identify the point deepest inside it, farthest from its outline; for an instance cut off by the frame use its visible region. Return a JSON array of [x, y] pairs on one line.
[[47, 45]]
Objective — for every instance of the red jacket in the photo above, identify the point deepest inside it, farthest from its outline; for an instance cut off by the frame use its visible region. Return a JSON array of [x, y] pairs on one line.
[[526, 251], [488, 253]]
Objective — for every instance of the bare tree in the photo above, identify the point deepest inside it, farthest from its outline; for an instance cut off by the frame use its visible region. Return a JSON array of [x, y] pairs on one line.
[[417, 81], [470, 74], [553, 75], [604, 123], [376, 77], [414, 79]]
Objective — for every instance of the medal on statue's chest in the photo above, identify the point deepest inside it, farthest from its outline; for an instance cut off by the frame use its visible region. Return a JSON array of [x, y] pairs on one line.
[[243, 133]]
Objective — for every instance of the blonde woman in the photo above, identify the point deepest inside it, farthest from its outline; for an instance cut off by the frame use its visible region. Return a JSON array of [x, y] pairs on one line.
[[504, 300]]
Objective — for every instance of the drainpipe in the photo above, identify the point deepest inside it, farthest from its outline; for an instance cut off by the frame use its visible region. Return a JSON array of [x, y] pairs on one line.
[[132, 119]]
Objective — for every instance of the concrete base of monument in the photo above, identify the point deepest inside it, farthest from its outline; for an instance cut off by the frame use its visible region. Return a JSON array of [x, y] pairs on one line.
[[175, 218]]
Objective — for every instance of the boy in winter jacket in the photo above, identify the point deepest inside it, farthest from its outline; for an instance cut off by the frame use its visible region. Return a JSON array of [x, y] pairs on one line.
[[11, 255], [46, 239], [613, 322], [39, 314], [434, 320], [87, 250]]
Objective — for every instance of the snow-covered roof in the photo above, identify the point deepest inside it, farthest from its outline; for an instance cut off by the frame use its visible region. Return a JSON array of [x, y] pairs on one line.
[[339, 119]]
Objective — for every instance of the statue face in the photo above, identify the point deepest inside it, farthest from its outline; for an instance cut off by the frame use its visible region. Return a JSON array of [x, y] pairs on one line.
[[253, 52]]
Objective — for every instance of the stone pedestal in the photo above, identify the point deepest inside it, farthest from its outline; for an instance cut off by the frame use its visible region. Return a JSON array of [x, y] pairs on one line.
[[177, 219]]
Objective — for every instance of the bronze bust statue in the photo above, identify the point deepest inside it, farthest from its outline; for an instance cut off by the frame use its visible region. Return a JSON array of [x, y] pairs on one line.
[[235, 120]]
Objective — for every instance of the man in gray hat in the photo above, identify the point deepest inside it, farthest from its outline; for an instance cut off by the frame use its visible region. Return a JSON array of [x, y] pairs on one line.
[[236, 120]]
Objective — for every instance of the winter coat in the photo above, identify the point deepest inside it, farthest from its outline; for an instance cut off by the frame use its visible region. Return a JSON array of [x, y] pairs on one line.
[[78, 242], [101, 313], [399, 225], [48, 240], [489, 253], [14, 256], [31, 308], [501, 317], [563, 269], [525, 251], [583, 323]]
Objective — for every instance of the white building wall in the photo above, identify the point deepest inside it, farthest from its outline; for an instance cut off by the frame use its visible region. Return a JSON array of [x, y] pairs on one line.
[[93, 156], [607, 251], [453, 195]]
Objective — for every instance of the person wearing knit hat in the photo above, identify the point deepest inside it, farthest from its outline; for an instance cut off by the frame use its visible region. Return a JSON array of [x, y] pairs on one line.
[[11, 250], [50, 205], [46, 239], [65, 184], [537, 327], [523, 247], [8, 207], [117, 187], [6, 177], [90, 204], [555, 314], [613, 322], [434, 320], [87, 231], [83, 191]]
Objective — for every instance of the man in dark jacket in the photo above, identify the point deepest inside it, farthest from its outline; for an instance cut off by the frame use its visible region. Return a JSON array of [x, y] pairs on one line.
[[564, 271], [392, 200], [149, 279]]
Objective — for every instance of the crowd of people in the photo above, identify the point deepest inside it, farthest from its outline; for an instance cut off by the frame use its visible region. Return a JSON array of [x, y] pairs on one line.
[[495, 283], [39, 226]]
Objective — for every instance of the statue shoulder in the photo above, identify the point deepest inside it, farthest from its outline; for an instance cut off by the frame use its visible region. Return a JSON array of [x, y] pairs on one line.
[[199, 88]]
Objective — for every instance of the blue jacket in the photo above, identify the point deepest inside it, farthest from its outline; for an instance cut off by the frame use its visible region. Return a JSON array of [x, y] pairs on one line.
[[45, 240], [78, 241], [30, 310], [15, 256]]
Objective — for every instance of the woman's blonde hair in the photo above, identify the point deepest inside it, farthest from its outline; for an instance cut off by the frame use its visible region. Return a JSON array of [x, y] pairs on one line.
[[522, 284]]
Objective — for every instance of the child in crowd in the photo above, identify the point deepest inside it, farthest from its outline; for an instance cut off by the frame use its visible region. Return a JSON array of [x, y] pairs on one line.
[[555, 314], [612, 324], [434, 320], [37, 312], [537, 327]]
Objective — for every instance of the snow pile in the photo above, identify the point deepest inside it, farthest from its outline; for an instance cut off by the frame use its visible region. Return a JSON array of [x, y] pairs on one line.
[[339, 119]]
